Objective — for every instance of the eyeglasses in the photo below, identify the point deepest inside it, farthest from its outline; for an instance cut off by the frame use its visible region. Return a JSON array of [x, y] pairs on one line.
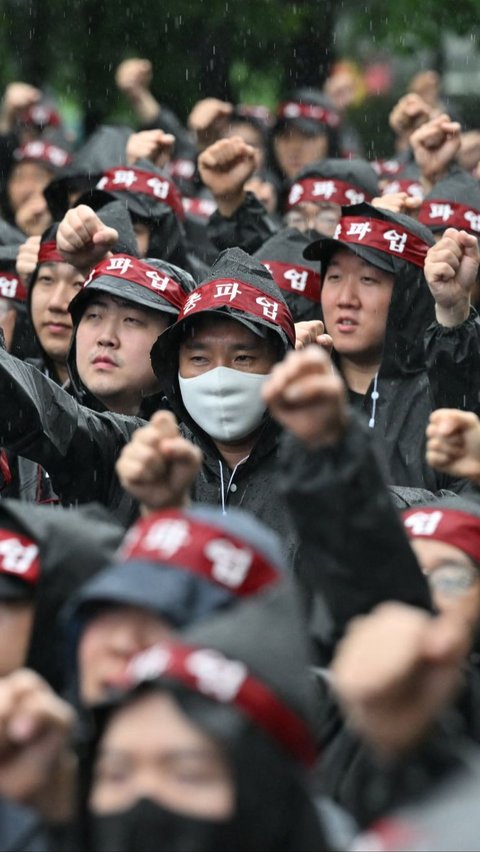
[[324, 217], [5, 306], [452, 579]]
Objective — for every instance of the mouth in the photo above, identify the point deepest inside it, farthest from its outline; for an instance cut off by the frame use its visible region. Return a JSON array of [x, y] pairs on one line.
[[58, 327], [346, 325], [104, 362]]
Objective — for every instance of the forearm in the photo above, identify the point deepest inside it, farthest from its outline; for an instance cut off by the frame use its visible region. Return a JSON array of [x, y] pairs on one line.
[[248, 227], [41, 421], [452, 357], [355, 551]]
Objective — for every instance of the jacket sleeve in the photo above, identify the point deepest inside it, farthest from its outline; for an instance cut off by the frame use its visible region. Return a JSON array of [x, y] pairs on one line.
[[248, 228], [354, 552], [75, 445], [453, 364]]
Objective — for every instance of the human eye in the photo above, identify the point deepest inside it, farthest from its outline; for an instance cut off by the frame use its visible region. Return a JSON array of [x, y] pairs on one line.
[[135, 321], [244, 359], [91, 314], [199, 360], [45, 279]]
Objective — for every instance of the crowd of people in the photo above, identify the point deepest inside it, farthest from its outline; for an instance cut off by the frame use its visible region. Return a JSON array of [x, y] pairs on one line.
[[239, 477]]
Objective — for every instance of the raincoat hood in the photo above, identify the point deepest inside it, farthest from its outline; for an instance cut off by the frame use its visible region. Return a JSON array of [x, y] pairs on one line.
[[102, 150], [337, 181], [298, 279], [453, 202], [182, 566], [149, 196], [72, 546], [24, 342], [257, 703]]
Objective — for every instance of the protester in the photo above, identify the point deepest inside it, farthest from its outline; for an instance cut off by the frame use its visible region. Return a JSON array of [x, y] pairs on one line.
[[259, 353]]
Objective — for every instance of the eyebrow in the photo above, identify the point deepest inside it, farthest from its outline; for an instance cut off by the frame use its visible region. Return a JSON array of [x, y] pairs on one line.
[[192, 344], [172, 755]]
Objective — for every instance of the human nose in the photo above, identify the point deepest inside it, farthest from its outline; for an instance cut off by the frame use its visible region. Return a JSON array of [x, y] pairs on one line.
[[60, 298], [123, 641], [348, 292], [108, 333]]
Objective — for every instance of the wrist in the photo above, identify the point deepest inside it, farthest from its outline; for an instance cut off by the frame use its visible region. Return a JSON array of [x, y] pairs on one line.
[[453, 315], [229, 203]]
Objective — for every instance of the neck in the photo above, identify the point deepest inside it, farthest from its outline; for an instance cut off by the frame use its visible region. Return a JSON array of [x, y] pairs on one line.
[[128, 407], [235, 452], [61, 371], [358, 376]]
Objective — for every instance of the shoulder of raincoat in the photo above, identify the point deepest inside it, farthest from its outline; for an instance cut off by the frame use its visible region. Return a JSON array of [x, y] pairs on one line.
[[22, 828], [354, 553], [77, 446], [248, 228]]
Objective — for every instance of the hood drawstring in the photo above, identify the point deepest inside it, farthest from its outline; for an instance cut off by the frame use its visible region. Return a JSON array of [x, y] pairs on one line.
[[374, 396], [225, 493]]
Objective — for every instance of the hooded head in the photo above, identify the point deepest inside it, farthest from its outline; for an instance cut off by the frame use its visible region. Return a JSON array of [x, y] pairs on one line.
[[153, 203], [298, 279], [102, 150], [45, 555], [176, 566], [34, 166], [305, 131], [218, 395], [329, 185], [446, 538], [453, 202], [396, 245], [249, 703], [115, 286], [14, 319], [54, 283]]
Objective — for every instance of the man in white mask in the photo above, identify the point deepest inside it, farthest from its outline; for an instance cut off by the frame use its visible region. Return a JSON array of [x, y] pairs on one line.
[[211, 365]]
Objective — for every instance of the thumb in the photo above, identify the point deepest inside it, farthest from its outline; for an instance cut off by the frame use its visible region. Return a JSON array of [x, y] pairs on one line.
[[469, 244], [166, 423], [105, 236]]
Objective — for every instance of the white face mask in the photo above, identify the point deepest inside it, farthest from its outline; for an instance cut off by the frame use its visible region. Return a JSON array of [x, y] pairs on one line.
[[226, 403]]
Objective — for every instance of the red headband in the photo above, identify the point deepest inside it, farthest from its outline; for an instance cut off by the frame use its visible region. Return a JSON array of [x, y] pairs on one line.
[[243, 297], [385, 168], [181, 168], [12, 287], [299, 280], [202, 207], [49, 253], [43, 153], [411, 187], [449, 214], [123, 266], [19, 557], [325, 189], [228, 682], [201, 548], [292, 109], [147, 183], [448, 525], [42, 115], [387, 237]]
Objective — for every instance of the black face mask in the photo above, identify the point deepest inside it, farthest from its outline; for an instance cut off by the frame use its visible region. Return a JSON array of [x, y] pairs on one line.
[[150, 827]]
